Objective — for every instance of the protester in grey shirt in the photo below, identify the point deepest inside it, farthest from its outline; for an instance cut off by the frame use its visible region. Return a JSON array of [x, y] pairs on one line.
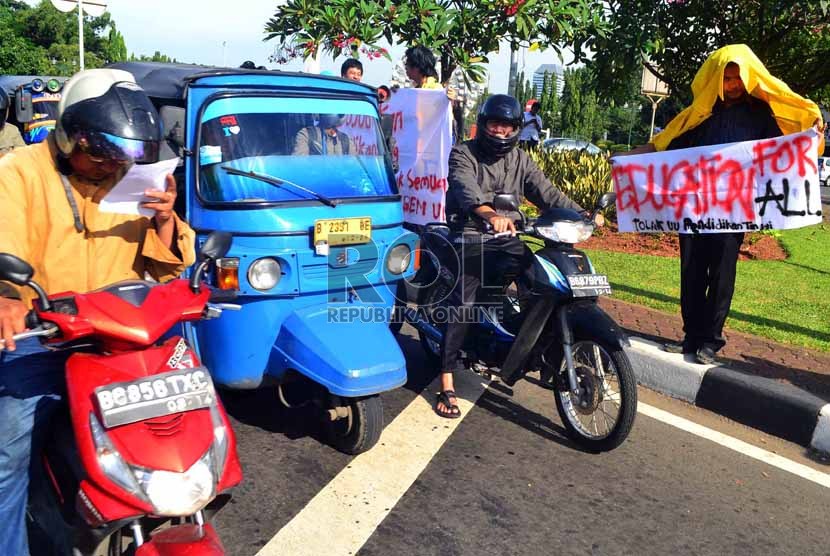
[[479, 170]]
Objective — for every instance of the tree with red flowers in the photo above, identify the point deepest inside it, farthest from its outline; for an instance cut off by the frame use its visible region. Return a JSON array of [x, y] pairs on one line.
[[462, 33]]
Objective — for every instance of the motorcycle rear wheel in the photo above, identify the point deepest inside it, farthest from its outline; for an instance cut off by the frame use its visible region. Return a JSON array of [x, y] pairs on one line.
[[602, 417]]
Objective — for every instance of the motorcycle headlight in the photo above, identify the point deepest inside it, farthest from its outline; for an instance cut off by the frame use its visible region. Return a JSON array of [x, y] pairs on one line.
[[111, 462], [264, 273], [566, 232], [178, 494], [397, 261]]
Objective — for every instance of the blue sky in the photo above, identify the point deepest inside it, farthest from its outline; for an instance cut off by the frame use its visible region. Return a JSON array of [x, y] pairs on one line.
[[194, 30]]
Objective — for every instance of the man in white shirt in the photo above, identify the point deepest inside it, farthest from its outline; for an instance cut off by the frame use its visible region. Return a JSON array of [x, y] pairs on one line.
[[531, 127]]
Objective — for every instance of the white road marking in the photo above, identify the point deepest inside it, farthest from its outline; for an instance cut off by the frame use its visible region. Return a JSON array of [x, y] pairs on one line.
[[360, 497], [740, 446]]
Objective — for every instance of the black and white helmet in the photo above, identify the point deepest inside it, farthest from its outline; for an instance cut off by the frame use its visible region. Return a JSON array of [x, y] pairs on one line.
[[104, 113]]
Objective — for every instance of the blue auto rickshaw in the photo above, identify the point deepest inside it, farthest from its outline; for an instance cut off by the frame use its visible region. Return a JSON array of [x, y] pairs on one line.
[[35, 103], [295, 167]]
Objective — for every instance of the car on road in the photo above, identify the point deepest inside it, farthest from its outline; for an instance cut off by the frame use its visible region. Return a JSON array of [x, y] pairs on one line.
[[566, 144]]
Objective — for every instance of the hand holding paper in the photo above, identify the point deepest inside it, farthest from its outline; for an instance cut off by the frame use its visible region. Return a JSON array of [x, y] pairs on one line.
[[129, 196]]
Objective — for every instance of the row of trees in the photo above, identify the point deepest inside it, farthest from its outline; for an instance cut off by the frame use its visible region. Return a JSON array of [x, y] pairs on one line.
[[40, 40], [672, 36], [582, 113]]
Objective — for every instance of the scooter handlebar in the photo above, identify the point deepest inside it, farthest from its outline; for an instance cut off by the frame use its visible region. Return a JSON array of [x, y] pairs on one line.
[[46, 329]]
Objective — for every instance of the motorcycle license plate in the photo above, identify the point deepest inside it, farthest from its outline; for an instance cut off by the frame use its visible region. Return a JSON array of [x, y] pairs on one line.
[[343, 231], [155, 396], [589, 285]]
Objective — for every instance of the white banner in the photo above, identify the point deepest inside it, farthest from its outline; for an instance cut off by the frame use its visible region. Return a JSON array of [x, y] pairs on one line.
[[736, 187], [422, 128]]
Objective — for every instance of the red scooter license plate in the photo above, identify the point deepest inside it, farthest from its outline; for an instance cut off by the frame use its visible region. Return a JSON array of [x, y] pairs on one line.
[[122, 403]]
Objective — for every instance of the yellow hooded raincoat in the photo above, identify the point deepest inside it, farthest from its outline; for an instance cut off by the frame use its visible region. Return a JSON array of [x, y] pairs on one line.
[[37, 225], [793, 112]]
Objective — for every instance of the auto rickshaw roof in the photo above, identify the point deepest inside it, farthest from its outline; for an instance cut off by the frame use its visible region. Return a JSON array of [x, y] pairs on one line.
[[10, 83], [169, 81]]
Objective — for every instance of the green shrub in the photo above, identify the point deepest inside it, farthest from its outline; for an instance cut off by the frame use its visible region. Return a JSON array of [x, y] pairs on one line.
[[581, 176]]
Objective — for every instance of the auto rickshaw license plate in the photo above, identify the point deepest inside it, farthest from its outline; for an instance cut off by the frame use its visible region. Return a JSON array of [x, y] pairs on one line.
[[343, 231]]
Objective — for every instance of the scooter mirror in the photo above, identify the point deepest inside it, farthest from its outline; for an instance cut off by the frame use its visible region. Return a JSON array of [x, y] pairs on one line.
[[216, 245], [15, 270], [607, 200], [506, 202]]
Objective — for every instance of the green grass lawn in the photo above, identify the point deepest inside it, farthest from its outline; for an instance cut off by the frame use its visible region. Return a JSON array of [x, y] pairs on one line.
[[786, 301]]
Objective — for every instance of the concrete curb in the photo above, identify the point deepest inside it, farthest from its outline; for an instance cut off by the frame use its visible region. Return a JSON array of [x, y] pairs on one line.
[[762, 403]]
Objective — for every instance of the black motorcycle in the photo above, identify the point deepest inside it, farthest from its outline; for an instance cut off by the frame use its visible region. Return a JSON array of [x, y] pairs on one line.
[[543, 319]]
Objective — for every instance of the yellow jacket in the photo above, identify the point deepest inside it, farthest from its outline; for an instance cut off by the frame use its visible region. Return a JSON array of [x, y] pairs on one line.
[[793, 112], [37, 225]]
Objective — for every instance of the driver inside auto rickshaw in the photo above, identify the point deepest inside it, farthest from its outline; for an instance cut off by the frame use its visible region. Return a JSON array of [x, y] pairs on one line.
[[324, 138]]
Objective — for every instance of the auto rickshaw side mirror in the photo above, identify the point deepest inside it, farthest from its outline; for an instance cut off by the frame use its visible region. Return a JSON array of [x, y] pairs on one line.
[[24, 110], [386, 125], [172, 118]]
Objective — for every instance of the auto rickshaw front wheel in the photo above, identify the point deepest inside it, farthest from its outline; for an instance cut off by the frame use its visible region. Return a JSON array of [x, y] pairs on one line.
[[354, 424]]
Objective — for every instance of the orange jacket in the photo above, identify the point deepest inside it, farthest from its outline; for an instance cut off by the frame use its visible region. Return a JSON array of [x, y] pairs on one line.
[[37, 225]]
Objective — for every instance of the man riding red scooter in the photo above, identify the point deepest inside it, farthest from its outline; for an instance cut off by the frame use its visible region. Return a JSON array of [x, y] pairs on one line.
[[49, 206]]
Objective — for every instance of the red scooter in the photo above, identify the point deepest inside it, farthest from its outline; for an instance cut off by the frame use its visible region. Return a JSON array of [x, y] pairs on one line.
[[146, 449]]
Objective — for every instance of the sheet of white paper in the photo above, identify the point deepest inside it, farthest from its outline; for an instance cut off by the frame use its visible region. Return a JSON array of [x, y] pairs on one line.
[[129, 192]]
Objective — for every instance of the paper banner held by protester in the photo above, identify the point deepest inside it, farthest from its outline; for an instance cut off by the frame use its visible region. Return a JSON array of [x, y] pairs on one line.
[[422, 128], [128, 193], [769, 184]]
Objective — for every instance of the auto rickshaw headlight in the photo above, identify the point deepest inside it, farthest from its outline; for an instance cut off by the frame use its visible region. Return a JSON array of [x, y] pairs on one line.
[[53, 85], [397, 261], [37, 85], [227, 273], [264, 273]]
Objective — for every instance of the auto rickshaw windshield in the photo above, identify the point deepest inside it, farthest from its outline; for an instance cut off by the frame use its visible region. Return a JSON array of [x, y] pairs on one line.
[[332, 147]]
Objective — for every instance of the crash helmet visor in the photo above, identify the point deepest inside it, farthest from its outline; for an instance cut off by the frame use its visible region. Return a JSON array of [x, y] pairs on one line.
[[105, 146]]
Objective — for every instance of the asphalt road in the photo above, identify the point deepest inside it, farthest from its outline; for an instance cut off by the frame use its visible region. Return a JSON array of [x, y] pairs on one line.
[[507, 481]]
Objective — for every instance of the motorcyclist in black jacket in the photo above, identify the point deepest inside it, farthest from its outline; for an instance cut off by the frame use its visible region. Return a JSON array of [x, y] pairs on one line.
[[479, 169]]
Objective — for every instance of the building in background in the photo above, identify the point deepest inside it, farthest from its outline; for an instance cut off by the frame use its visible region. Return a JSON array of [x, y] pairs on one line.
[[539, 77]]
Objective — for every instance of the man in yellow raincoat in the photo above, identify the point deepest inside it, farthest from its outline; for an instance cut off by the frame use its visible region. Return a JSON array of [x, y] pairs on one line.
[[49, 210], [735, 99]]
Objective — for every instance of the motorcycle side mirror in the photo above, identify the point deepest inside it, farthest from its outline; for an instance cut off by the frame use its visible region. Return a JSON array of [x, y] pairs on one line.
[[607, 200], [19, 272], [506, 202], [216, 246], [15, 270]]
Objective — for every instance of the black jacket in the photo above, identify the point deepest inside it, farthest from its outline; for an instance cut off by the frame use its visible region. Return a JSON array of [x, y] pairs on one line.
[[475, 179], [749, 120]]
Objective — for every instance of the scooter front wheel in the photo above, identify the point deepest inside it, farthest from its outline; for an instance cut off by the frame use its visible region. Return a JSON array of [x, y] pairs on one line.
[[601, 415], [359, 430]]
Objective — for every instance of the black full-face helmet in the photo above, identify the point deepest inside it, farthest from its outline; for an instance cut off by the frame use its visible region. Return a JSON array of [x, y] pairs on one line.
[[501, 108], [104, 113]]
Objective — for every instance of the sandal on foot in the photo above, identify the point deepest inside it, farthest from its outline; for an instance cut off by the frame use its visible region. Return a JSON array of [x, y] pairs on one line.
[[444, 398]]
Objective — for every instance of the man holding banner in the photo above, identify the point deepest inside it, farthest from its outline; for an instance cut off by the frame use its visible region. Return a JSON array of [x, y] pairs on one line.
[[736, 174]]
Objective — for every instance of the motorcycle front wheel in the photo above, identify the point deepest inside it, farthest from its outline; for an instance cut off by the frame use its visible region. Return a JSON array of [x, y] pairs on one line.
[[600, 417]]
